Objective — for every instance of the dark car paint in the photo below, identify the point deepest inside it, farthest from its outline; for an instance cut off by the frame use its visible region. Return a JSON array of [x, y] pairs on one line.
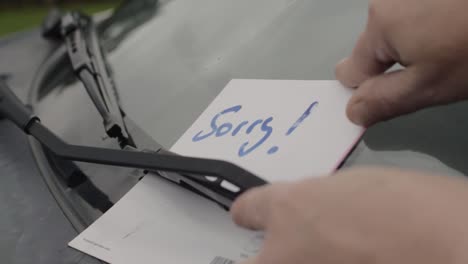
[[434, 139], [33, 228], [37, 221]]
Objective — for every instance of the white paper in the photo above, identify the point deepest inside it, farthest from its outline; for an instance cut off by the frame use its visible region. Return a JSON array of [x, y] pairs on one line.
[[317, 145], [159, 222]]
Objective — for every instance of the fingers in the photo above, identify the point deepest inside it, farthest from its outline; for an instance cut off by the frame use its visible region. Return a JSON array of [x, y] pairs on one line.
[[389, 95], [368, 59], [251, 210]]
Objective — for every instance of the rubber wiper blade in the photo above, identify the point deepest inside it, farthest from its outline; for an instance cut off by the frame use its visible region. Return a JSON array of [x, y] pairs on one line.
[[190, 171], [79, 34]]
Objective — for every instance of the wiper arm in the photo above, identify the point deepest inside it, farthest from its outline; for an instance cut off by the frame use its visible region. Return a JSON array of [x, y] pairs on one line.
[[80, 36], [89, 64], [195, 170]]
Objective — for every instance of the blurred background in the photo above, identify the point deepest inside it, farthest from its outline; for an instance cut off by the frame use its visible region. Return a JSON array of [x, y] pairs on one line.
[[17, 15]]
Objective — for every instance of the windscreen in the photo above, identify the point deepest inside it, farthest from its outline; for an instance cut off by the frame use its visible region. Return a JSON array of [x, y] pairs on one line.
[[171, 60]]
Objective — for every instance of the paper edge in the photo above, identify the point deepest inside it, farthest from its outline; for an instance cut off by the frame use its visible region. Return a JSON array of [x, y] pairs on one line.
[[349, 151]]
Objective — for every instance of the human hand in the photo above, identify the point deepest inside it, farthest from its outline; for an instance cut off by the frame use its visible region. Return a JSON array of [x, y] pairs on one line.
[[371, 216], [429, 38]]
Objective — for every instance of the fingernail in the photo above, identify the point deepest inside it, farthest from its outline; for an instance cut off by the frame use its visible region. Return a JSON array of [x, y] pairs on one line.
[[348, 74], [341, 62], [339, 71]]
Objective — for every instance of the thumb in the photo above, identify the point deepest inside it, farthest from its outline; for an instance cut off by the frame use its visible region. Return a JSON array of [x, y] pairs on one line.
[[389, 95], [252, 209]]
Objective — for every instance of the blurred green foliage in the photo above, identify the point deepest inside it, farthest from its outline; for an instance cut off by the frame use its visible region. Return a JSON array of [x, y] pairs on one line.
[[13, 19]]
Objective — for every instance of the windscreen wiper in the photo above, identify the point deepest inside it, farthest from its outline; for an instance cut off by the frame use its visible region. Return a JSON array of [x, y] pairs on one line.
[[79, 34], [207, 176], [89, 64]]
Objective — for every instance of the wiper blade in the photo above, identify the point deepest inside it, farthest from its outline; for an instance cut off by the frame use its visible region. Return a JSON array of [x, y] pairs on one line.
[[88, 61], [194, 170], [79, 33]]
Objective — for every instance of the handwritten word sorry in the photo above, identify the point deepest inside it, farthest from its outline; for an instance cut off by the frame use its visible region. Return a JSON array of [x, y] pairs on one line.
[[219, 130]]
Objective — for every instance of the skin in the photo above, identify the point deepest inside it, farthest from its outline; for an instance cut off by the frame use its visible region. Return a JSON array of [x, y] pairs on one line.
[[360, 216], [429, 38], [379, 215]]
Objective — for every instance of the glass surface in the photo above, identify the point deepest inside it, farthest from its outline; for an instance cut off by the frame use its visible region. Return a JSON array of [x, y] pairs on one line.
[[171, 61], [170, 69]]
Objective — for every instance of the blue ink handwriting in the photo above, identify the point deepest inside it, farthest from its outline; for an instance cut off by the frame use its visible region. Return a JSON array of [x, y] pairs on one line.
[[264, 125], [302, 118]]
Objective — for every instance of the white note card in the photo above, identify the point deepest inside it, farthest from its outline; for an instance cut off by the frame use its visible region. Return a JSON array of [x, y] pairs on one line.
[[279, 130]]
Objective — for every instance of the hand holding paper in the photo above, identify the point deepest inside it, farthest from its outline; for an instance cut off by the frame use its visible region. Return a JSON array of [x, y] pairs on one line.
[[360, 216], [279, 130], [429, 40]]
